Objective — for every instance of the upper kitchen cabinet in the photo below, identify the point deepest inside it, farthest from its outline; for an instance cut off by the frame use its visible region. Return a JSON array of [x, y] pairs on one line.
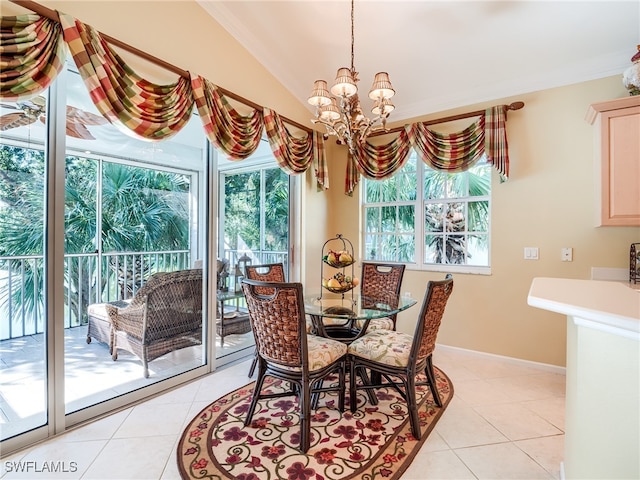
[[617, 150]]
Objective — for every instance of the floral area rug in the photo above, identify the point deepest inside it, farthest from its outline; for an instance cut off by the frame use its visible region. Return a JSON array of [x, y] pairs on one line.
[[374, 442]]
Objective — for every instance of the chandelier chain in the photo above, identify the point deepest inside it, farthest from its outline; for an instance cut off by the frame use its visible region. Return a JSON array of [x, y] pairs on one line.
[[352, 35], [342, 114]]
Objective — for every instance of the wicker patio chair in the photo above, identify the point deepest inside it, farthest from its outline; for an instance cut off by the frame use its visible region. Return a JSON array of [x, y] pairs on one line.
[[269, 272], [164, 315], [287, 352], [381, 280], [398, 357]]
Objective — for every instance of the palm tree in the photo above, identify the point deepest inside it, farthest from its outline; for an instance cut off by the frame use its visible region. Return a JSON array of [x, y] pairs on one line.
[[142, 210], [444, 221], [242, 214]]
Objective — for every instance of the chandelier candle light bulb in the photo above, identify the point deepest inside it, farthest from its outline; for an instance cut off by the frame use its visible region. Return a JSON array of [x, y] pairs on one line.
[[346, 120]]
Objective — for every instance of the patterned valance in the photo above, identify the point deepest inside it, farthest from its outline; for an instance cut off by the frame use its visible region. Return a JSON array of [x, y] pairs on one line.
[[151, 111], [32, 55], [33, 52], [295, 154], [452, 152]]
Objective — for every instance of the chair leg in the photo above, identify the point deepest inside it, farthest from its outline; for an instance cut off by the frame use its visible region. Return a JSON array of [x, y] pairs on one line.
[[305, 416], [341, 385], [412, 406], [256, 393], [252, 368], [353, 395], [431, 378]]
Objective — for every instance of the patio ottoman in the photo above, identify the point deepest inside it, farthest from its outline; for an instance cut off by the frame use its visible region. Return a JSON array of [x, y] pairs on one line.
[[99, 323]]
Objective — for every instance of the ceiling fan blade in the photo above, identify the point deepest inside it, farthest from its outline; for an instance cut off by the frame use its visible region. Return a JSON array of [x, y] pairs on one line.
[[14, 120], [87, 118], [78, 130]]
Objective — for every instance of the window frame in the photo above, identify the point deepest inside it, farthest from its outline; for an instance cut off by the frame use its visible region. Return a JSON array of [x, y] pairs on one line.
[[420, 230]]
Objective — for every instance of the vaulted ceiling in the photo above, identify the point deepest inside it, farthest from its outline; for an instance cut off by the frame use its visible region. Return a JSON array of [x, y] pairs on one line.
[[439, 54]]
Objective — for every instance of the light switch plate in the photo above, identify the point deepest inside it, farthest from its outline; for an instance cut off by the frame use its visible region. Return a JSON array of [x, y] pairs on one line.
[[531, 253]]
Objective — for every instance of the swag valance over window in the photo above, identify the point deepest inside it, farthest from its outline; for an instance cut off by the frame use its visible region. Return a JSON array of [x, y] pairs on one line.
[[453, 152], [33, 52]]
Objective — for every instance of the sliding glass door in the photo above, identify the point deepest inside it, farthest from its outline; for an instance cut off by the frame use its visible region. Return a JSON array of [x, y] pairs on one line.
[[23, 256], [254, 228], [103, 251]]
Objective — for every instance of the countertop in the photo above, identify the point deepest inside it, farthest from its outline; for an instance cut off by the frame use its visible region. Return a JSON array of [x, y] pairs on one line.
[[615, 306]]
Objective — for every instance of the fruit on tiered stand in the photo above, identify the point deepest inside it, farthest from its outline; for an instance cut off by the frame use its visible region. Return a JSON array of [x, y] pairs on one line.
[[340, 283], [338, 259]]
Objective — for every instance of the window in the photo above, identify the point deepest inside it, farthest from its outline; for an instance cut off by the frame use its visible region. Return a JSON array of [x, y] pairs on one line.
[[441, 222], [254, 208]]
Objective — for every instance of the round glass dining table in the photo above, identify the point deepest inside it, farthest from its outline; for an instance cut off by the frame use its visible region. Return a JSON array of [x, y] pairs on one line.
[[337, 316]]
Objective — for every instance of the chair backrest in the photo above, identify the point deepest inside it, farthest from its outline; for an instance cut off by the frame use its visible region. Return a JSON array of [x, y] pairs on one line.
[[278, 321], [435, 301], [381, 279], [173, 302], [268, 272]]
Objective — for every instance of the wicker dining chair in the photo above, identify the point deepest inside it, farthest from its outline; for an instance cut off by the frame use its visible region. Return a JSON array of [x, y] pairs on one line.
[[398, 358], [381, 280], [287, 352], [268, 272]]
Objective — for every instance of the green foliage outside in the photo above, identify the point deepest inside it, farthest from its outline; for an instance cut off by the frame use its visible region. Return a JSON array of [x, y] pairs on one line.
[[445, 222], [243, 224], [142, 210]]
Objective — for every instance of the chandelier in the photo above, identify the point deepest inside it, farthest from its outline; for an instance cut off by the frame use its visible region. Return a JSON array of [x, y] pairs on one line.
[[345, 119]]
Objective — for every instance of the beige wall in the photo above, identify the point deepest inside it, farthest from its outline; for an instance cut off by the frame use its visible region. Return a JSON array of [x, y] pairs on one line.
[[547, 203]]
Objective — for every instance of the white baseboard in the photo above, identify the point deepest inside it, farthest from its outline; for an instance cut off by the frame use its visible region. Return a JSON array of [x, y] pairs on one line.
[[515, 361]]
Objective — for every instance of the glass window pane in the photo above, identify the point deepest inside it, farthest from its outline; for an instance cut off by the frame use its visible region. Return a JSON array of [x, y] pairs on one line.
[[433, 252], [454, 249], [23, 257], [479, 180], [242, 211], [388, 190], [434, 184], [478, 216], [406, 249], [389, 219], [131, 213], [456, 185], [372, 222], [478, 250], [372, 250], [407, 185], [277, 210], [372, 191], [433, 215], [406, 218]]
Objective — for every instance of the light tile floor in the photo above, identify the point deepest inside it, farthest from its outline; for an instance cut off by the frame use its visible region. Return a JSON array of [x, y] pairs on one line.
[[505, 421]]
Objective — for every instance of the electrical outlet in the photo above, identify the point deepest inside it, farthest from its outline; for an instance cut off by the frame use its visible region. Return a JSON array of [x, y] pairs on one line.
[[566, 254]]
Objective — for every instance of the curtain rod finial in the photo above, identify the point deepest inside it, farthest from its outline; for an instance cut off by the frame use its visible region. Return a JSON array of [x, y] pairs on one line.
[[515, 106]]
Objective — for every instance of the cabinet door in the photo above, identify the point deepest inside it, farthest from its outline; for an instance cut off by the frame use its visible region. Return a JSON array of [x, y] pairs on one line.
[[620, 167]]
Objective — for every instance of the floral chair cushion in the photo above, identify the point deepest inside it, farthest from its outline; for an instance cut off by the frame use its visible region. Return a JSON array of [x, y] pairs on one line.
[[377, 324], [383, 346], [322, 352]]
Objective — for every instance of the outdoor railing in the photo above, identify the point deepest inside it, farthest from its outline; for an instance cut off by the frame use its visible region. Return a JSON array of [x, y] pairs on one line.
[[88, 278]]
